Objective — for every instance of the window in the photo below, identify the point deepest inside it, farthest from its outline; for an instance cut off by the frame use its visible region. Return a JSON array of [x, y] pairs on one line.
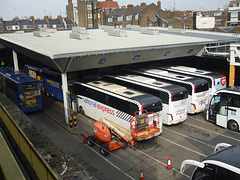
[[206, 173], [234, 14], [225, 174], [129, 17], [120, 18], [89, 15], [136, 17], [218, 22], [89, 7], [110, 19], [186, 27], [90, 25]]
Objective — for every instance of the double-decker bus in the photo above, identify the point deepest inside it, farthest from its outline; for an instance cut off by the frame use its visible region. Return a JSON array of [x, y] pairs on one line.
[[174, 97], [118, 103], [224, 108], [215, 80], [51, 81], [22, 89], [198, 89]]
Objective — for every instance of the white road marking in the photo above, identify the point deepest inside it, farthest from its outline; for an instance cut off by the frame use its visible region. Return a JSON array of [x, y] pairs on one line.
[[166, 128], [213, 132]]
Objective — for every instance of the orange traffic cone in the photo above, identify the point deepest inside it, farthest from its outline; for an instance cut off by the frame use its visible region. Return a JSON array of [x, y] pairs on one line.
[[84, 139], [141, 176], [169, 166]]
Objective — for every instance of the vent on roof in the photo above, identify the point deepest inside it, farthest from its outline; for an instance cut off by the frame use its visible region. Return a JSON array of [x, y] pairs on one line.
[[43, 32], [149, 31], [117, 32], [79, 33], [133, 27], [107, 28], [173, 30]]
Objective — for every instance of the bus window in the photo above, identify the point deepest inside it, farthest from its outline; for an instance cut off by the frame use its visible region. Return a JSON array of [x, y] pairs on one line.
[[206, 173], [225, 174]]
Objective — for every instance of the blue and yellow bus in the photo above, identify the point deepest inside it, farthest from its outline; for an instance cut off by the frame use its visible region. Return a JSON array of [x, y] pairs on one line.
[[22, 89], [51, 81]]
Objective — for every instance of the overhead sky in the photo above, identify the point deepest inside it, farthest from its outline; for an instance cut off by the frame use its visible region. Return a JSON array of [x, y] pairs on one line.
[[25, 8]]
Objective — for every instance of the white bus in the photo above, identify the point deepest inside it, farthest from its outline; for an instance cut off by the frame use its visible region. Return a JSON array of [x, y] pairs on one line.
[[118, 103], [224, 108], [224, 164], [174, 97], [215, 80], [198, 88]]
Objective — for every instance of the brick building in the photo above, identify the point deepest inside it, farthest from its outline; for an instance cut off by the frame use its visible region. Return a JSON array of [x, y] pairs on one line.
[[234, 14], [91, 13], [143, 15]]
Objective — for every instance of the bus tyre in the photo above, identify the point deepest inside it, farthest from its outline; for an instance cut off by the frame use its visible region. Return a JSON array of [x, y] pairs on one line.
[[80, 110], [125, 144], [233, 125], [104, 150], [51, 94], [47, 93], [90, 141], [204, 114]]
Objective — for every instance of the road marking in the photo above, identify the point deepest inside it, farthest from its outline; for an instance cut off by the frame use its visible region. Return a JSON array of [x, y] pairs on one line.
[[58, 121], [183, 146], [208, 122], [107, 160], [167, 128], [165, 165], [213, 132]]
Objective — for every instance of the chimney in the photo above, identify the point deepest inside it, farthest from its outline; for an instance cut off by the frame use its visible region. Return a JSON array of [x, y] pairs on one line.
[[143, 4], [130, 5], [159, 5], [69, 2]]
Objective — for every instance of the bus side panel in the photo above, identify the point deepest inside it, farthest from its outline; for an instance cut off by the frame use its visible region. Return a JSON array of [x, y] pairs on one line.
[[97, 110], [30, 100], [220, 83], [53, 87]]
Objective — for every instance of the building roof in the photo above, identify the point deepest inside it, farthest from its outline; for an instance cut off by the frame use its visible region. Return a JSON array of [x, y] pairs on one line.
[[63, 53], [41, 21], [26, 22], [108, 4], [10, 23]]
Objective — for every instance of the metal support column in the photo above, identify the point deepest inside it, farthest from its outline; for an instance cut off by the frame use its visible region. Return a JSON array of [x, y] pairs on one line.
[[15, 60], [231, 75], [65, 97]]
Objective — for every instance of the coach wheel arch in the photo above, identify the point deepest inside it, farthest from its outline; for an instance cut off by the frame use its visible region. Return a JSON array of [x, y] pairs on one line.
[[80, 110], [233, 125]]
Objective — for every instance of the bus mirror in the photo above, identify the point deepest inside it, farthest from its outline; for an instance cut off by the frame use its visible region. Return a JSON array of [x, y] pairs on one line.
[[190, 162], [220, 146]]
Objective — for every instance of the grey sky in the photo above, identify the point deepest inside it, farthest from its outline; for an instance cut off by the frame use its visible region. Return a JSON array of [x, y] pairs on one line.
[[21, 8]]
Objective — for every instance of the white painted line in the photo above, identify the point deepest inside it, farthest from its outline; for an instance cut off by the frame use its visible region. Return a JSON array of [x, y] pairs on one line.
[[107, 160], [183, 147], [213, 132], [208, 122], [167, 128]]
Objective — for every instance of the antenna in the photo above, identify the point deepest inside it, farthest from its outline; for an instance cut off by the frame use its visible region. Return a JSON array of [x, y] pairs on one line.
[[174, 5]]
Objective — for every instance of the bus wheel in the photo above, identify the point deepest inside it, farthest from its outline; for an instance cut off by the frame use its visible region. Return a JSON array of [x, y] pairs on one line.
[[80, 110], [90, 141], [233, 125], [51, 94], [104, 150]]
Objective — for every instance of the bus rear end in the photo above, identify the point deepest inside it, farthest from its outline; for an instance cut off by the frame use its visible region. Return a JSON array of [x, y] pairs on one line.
[[200, 96], [177, 110], [30, 98], [151, 114]]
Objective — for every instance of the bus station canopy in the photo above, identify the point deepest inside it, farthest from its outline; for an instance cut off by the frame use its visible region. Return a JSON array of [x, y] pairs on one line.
[[65, 54]]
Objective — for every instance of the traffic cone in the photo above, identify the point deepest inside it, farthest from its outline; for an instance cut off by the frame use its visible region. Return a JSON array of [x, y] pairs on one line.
[[141, 176], [84, 139], [169, 166]]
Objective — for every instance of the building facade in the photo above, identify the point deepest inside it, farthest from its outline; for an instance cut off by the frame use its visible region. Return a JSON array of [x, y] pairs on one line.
[[234, 14]]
